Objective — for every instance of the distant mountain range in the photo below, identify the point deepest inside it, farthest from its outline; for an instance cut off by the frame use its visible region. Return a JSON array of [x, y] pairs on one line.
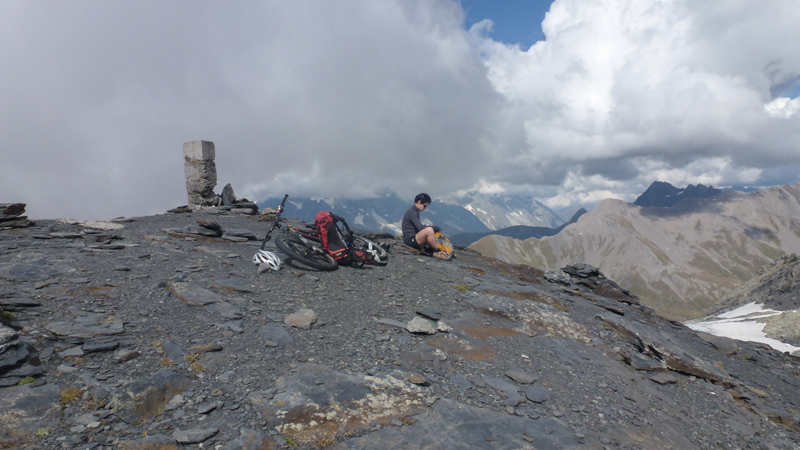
[[664, 194], [466, 214], [498, 211], [520, 232], [678, 259]]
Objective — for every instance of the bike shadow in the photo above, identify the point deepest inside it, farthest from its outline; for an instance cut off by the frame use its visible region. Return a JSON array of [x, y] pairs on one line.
[[295, 264]]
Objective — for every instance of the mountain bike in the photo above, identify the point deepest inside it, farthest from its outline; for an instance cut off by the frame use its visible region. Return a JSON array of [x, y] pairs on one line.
[[376, 252], [297, 247]]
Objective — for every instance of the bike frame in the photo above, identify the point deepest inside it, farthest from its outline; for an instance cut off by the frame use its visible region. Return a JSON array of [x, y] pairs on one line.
[[276, 223]]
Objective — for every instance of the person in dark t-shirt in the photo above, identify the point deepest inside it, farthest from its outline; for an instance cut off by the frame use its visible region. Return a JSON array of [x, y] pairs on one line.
[[415, 234]]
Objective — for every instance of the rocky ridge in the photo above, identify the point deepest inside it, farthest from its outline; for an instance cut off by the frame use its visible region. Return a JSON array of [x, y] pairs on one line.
[[664, 194], [155, 333], [679, 260]]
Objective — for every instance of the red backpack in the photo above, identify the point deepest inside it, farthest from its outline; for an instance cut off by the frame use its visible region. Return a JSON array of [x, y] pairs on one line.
[[335, 236]]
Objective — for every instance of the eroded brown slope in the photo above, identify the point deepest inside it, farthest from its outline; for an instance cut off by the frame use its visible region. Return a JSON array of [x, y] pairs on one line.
[[679, 260]]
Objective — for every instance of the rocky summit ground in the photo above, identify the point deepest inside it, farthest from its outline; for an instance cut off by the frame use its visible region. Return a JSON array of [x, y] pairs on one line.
[[156, 336]]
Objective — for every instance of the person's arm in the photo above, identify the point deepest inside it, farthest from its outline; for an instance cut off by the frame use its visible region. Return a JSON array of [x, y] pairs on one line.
[[415, 221]]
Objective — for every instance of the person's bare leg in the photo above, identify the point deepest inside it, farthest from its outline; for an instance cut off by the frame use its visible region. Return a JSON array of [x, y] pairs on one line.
[[425, 235], [428, 236], [432, 241]]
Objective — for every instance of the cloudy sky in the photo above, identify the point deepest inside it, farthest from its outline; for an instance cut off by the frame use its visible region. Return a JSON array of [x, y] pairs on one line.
[[359, 97]]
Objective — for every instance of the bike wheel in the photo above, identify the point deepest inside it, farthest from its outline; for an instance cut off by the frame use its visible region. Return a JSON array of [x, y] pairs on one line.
[[306, 254], [379, 255], [445, 246]]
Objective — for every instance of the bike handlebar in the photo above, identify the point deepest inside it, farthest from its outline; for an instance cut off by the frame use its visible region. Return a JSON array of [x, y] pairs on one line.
[[275, 223]]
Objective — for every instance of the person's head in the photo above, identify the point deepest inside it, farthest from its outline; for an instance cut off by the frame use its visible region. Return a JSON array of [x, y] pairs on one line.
[[422, 200]]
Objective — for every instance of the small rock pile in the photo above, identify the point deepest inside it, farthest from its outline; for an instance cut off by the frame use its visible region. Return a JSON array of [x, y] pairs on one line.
[[18, 359], [11, 215], [210, 230], [224, 204], [582, 276]]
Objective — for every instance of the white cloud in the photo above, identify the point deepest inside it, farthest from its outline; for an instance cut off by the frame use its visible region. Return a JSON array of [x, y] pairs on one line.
[[359, 97], [666, 81], [783, 107]]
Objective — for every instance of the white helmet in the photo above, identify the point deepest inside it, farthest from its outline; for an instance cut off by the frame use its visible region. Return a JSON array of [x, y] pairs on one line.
[[268, 258]]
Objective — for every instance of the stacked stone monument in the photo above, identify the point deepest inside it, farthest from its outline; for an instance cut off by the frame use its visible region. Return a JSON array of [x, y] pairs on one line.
[[201, 174], [201, 178]]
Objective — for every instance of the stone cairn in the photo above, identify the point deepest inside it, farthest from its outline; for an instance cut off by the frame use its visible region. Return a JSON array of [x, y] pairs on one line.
[[201, 178], [11, 216], [201, 174]]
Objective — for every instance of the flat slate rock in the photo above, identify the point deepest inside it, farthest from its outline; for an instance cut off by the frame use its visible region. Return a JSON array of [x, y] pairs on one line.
[[14, 354], [317, 403], [16, 302], [521, 376], [451, 425], [87, 326], [32, 272], [146, 398], [533, 316], [236, 284], [194, 435], [6, 335], [275, 336], [537, 394], [430, 313], [152, 442], [242, 233], [224, 310], [251, 440], [26, 409], [673, 351], [192, 294]]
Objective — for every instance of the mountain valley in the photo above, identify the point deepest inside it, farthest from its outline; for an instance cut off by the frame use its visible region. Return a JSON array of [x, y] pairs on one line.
[[680, 259]]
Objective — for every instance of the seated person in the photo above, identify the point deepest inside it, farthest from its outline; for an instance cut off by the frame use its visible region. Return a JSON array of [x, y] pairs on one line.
[[416, 235]]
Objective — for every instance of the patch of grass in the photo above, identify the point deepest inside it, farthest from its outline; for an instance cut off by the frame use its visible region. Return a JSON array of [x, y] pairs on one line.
[[26, 380], [166, 362], [462, 287], [6, 317], [76, 360], [192, 357], [43, 432], [197, 367], [69, 395], [325, 442]]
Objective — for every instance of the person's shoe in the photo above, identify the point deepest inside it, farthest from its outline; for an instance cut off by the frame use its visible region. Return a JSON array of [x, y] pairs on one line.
[[441, 255]]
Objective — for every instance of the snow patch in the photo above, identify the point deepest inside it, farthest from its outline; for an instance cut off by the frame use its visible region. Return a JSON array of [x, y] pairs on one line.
[[740, 324]]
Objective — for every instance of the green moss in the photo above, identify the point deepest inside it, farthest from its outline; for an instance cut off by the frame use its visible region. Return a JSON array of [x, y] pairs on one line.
[[26, 380], [462, 287], [6, 317], [69, 395]]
